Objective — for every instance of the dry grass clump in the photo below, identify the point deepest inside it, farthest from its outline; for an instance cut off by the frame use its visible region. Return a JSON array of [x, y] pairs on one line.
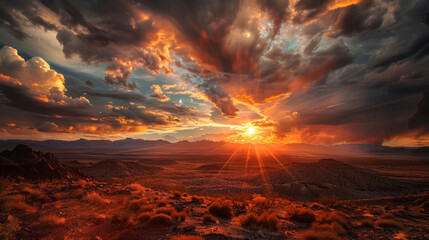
[[135, 187], [96, 199], [303, 215], [187, 237], [166, 210], [51, 220], [160, 220], [208, 218], [221, 209], [333, 225], [266, 221], [197, 200], [261, 204], [19, 206], [335, 217], [388, 223], [179, 216], [137, 204]]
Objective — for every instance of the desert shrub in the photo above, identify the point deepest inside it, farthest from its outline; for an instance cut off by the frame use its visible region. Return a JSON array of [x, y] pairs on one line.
[[135, 187], [137, 204], [367, 223], [266, 221], [197, 200], [261, 204], [303, 215], [96, 199], [221, 209], [388, 223], [9, 229], [208, 218], [35, 195], [144, 217], [19, 206], [327, 200], [51, 220], [335, 217], [166, 210], [186, 237], [160, 220]]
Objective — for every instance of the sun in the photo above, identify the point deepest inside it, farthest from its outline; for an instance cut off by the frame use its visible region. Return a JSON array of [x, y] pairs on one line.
[[250, 131]]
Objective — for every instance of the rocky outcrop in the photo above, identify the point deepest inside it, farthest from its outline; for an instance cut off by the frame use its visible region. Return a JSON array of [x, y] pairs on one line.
[[24, 163]]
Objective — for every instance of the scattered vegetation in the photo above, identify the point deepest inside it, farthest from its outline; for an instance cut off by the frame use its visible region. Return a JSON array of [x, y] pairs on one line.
[[221, 209], [266, 221], [303, 215]]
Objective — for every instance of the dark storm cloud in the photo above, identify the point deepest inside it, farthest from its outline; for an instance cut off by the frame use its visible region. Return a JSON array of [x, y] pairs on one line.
[[354, 67], [221, 100], [21, 97]]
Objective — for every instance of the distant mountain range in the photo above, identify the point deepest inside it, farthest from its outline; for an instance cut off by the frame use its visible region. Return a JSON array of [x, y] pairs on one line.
[[130, 143]]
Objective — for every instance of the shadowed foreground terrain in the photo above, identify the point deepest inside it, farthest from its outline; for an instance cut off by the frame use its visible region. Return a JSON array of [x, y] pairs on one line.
[[186, 196]]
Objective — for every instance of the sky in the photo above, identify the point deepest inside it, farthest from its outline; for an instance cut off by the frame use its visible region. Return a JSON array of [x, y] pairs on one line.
[[280, 71]]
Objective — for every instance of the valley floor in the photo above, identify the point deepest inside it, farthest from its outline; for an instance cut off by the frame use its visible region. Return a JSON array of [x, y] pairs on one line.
[[89, 209]]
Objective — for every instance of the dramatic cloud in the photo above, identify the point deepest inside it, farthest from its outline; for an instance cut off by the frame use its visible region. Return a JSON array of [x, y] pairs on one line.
[[329, 71], [158, 94]]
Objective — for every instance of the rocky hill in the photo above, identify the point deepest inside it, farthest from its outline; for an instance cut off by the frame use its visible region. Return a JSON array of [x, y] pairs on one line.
[[24, 163]]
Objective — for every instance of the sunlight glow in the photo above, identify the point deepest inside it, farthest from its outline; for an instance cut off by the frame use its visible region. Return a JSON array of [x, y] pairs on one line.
[[250, 131]]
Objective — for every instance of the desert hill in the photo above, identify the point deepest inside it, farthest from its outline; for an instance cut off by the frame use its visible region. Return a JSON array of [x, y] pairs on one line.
[[23, 162]]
